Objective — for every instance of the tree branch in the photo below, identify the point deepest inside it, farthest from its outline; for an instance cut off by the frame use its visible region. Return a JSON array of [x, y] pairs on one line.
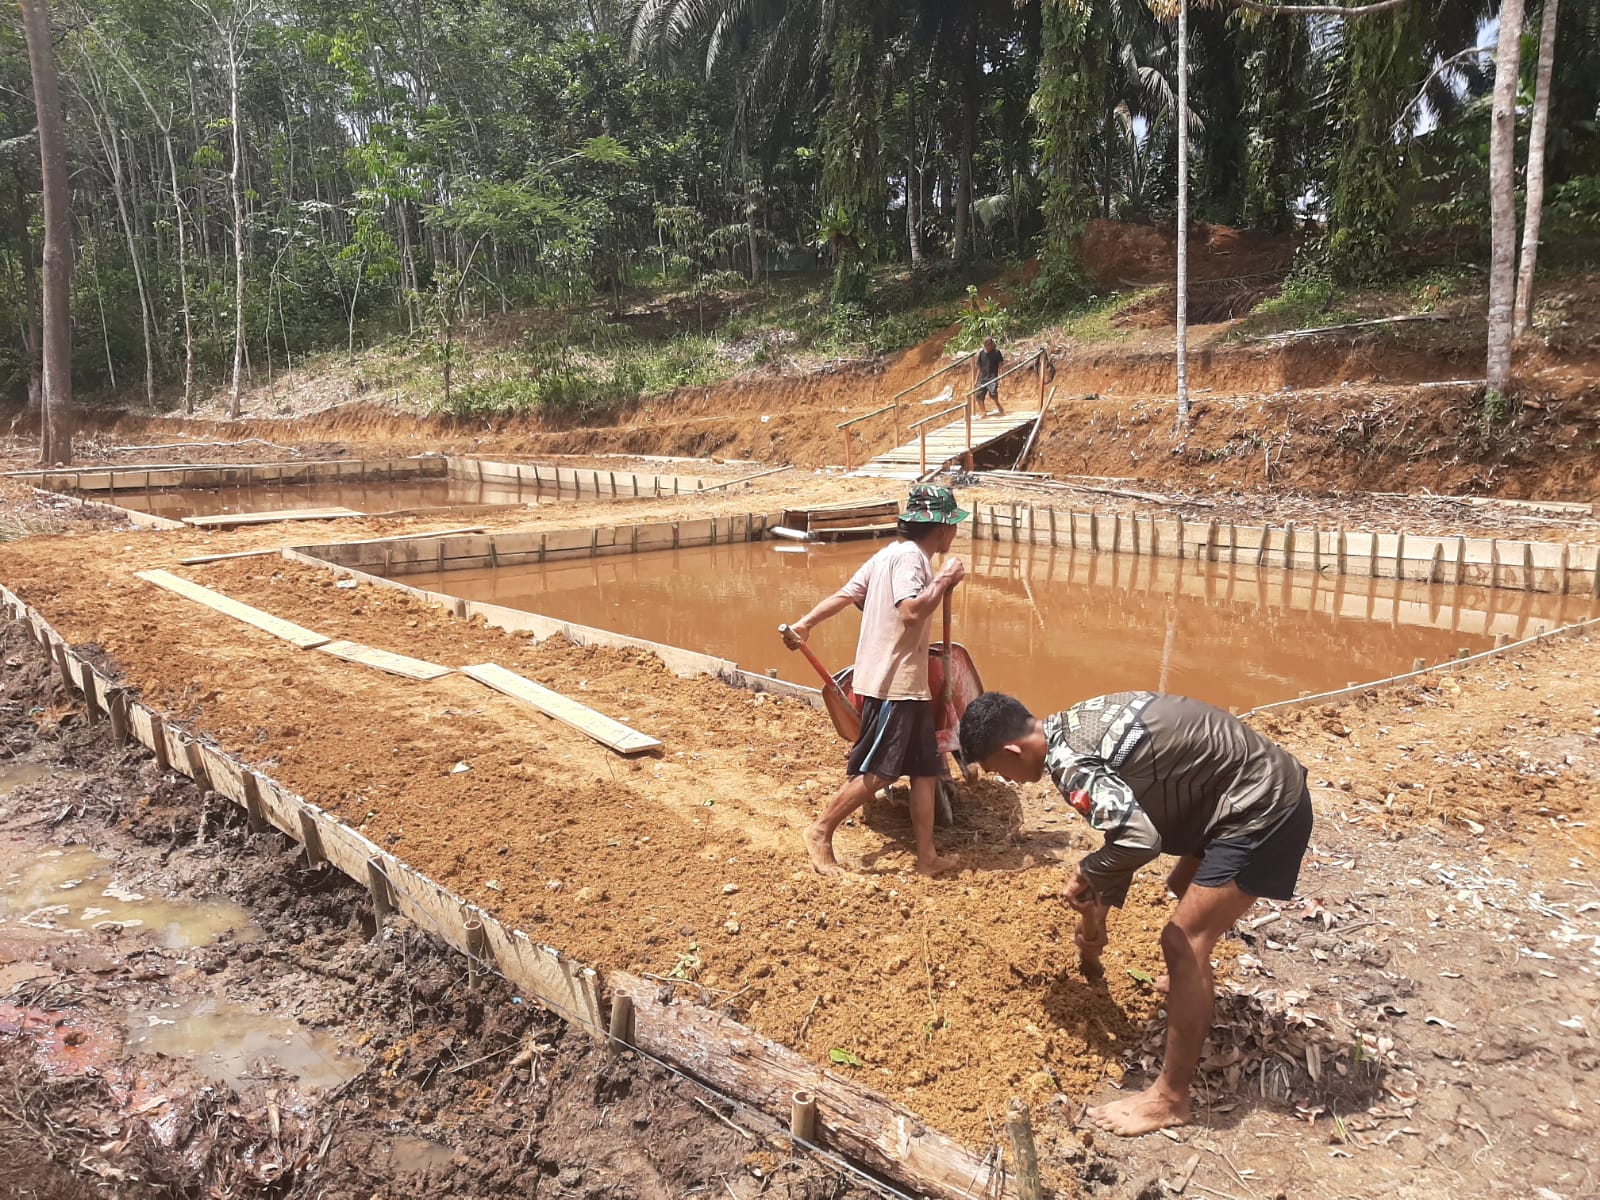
[[1319, 10]]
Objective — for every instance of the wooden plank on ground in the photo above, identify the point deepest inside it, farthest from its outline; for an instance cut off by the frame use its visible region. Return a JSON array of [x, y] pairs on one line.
[[851, 1119], [568, 711], [298, 635], [267, 518], [383, 660]]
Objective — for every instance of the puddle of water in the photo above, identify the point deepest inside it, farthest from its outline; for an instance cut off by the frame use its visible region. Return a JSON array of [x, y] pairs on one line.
[[1050, 624], [363, 497], [75, 890], [406, 1154], [17, 775], [227, 1043]]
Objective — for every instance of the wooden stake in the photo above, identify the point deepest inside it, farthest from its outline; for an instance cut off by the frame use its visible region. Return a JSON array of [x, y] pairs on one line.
[[1566, 566], [378, 885], [91, 706], [1494, 563], [1400, 555], [158, 741], [1288, 546], [255, 815], [1527, 566], [1436, 568], [621, 1026], [311, 839], [1233, 544], [1094, 530], [1024, 1157], [117, 708], [1418, 663], [1052, 513], [1461, 559], [475, 949], [803, 1117], [63, 666]]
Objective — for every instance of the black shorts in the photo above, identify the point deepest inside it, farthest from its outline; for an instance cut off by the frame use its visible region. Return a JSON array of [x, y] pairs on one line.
[[1264, 864], [897, 739]]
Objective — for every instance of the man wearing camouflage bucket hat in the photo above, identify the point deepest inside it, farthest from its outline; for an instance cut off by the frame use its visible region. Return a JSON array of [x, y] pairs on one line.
[[898, 594]]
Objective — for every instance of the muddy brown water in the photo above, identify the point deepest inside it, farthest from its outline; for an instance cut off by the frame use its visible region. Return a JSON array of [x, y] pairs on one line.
[[1047, 624], [372, 498]]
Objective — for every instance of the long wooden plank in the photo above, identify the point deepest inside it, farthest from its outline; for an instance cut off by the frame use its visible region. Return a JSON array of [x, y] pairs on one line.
[[850, 1118], [383, 660], [266, 518], [298, 635], [568, 711]]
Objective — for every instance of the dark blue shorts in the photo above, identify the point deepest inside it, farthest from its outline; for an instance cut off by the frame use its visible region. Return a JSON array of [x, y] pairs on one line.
[[898, 738], [1264, 864]]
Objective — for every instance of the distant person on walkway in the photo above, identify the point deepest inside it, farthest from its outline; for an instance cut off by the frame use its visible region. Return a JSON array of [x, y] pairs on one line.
[[989, 360], [898, 595], [1160, 775]]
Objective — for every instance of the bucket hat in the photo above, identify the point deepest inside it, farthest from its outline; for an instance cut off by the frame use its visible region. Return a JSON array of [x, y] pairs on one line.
[[928, 504]]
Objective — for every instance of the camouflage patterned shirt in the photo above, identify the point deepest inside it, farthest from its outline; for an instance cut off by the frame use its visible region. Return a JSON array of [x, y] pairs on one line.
[[1165, 775]]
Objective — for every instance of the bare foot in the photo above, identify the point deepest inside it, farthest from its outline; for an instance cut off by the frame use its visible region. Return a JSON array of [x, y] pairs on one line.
[[820, 847], [1150, 1110], [938, 866]]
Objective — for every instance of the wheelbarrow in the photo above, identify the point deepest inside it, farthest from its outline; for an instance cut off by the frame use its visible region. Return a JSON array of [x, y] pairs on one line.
[[954, 686]]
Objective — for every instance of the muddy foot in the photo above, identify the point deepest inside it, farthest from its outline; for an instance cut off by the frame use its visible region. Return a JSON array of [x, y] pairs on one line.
[[820, 847], [938, 866], [1145, 1113]]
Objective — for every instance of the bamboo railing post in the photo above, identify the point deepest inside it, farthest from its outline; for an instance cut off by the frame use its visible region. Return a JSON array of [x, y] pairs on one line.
[[922, 444], [1024, 1156]]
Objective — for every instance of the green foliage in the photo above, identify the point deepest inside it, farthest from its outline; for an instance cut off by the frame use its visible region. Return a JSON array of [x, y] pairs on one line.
[[981, 318], [1066, 109], [1275, 112], [1381, 72]]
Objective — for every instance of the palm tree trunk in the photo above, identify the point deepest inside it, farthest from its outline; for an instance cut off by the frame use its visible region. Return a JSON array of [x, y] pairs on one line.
[[55, 433], [961, 246], [1503, 195], [1522, 314]]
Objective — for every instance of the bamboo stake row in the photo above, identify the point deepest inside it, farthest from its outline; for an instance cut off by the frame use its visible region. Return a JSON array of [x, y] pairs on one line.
[[1426, 558]]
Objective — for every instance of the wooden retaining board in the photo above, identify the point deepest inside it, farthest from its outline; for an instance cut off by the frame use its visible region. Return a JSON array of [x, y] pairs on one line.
[[217, 520], [383, 660], [603, 729], [395, 557], [212, 475], [575, 479], [297, 635], [1488, 562], [852, 1120]]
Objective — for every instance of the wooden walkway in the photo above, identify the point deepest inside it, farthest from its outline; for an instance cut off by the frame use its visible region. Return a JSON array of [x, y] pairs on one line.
[[946, 444]]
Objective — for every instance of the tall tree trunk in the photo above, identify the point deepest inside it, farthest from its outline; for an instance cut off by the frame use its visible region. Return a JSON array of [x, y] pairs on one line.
[[113, 152], [1183, 215], [231, 39], [1522, 315], [55, 432], [1503, 195], [962, 245], [183, 277], [30, 295], [914, 213]]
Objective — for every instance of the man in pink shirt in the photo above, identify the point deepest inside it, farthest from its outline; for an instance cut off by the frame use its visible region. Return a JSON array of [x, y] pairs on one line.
[[898, 595]]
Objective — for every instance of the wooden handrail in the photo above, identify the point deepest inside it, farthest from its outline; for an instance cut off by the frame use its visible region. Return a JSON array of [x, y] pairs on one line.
[[943, 412], [875, 412], [1032, 358], [947, 367]]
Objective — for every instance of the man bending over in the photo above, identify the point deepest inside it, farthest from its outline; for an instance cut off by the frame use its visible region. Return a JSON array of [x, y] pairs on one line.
[[1160, 775]]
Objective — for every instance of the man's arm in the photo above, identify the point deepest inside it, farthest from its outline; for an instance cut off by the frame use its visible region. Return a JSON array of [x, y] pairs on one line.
[[922, 605], [830, 607]]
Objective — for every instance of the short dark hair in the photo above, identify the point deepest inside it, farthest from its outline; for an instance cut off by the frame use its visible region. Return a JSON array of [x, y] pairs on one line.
[[992, 720], [917, 531]]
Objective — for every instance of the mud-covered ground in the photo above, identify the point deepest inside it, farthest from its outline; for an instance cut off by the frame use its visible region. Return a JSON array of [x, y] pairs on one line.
[[454, 1089]]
